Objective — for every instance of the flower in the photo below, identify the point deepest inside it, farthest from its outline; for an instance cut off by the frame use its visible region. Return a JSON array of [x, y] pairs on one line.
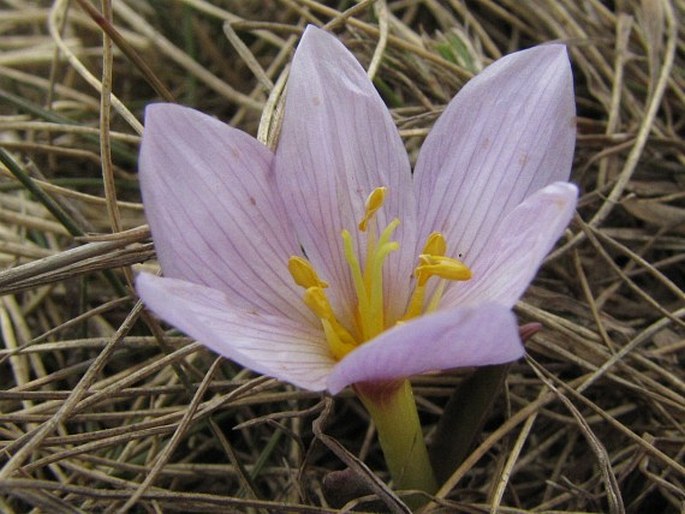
[[328, 263]]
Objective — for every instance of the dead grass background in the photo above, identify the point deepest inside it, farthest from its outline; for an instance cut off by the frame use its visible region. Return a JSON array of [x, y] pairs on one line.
[[104, 410]]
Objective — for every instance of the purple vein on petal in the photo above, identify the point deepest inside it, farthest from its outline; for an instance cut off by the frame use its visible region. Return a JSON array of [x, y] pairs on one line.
[[284, 348], [457, 337], [245, 255], [503, 207], [338, 143], [464, 186], [518, 246]]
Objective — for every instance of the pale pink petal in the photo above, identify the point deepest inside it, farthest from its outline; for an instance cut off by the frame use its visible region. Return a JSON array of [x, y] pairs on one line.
[[283, 348], [512, 256], [216, 220], [509, 132], [459, 337], [338, 143]]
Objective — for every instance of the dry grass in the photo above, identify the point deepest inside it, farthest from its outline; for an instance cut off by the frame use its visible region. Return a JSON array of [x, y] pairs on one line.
[[104, 410]]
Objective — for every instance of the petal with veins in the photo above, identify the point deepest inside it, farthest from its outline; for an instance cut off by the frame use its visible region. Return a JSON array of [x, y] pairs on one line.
[[338, 143], [458, 337], [227, 215], [509, 132], [215, 217], [283, 348], [510, 260]]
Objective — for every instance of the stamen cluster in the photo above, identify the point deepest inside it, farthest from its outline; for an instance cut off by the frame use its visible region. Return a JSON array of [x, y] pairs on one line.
[[368, 280]]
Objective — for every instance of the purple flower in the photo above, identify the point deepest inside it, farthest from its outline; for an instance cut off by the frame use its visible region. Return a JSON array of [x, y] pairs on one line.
[[329, 263]]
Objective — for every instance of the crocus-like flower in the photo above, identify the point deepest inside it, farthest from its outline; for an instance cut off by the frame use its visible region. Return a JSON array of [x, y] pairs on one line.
[[328, 263]]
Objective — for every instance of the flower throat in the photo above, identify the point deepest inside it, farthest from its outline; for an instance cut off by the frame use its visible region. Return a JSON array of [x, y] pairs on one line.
[[368, 280]]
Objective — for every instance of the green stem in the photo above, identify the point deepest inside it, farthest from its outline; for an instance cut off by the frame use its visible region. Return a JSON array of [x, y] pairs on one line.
[[393, 410]]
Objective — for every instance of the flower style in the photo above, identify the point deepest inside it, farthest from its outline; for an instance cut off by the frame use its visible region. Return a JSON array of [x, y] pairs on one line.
[[328, 263]]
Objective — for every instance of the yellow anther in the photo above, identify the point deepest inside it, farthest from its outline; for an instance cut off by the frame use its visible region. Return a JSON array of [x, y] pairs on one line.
[[373, 203], [303, 273], [433, 264], [443, 267], [435, 244]]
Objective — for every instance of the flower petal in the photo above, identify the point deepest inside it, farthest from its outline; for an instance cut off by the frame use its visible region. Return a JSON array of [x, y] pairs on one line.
[[460, 337], [209, 197], [275, 346], [511, 258], [338, 143], [509, 132]]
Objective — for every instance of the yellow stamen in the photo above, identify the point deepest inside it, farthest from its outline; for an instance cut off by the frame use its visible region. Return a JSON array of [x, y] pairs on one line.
[[338, 345], [415, 303], [367, 278], [303, 273], [373, 203], [443, 267], [436, 297], [340, 341], [432, 262], [316, 300], [435, 244]]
